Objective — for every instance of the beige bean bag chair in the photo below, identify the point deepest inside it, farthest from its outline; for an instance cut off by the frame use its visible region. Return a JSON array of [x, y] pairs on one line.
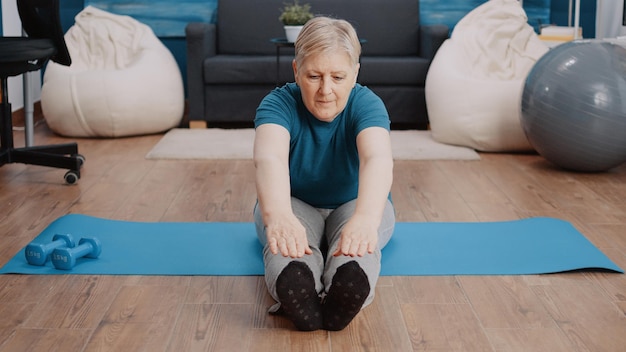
[[475, 82], [123, 81]]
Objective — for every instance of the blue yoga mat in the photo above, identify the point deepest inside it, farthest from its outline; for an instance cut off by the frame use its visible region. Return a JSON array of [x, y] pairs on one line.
[[530, 246]]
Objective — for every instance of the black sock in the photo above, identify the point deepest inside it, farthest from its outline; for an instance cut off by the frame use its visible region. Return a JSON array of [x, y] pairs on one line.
[[348, 291], [299, 300]]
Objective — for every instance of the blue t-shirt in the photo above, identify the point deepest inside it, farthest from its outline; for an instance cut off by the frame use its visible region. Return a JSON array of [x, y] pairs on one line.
[[323, 157]]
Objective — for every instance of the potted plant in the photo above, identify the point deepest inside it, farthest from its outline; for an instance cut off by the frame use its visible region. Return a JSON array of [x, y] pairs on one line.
[[294, 16]]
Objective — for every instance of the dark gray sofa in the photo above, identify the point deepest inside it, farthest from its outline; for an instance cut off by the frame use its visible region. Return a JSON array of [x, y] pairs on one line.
[[231, 65]]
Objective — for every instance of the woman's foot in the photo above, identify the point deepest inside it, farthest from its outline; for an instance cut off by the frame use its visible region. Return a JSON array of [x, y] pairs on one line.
[[348, 291], [299, 300]]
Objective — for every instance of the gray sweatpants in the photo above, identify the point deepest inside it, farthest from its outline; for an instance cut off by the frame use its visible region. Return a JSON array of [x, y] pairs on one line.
[[323, 228]]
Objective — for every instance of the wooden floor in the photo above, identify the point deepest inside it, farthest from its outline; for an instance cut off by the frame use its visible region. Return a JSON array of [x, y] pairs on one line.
[[584, 311]]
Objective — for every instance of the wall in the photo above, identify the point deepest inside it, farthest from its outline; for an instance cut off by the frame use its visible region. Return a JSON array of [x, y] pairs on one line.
[[559, 10], [611, 18], [449, 12], [167, 18]]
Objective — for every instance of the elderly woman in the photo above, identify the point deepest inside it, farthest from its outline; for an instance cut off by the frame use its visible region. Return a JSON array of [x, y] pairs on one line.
[[323, 175]]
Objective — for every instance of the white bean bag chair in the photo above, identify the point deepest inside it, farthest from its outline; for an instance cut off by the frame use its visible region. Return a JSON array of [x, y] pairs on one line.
[[123, 81], [475, 82]]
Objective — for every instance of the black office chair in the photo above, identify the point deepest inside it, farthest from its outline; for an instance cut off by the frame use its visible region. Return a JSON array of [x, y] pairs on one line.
[[18, 55]]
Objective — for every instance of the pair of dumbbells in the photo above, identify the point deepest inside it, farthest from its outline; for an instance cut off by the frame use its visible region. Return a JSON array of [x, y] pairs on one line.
[[63, 251]]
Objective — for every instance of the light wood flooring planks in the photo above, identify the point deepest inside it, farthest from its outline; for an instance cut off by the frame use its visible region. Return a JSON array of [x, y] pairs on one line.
[[582, 311]]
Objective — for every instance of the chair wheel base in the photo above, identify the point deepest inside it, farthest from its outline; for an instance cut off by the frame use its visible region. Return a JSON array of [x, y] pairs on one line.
[[71, 177]]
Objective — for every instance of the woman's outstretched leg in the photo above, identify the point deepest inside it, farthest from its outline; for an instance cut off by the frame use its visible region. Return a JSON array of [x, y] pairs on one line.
[[350, 282], [295, 283]]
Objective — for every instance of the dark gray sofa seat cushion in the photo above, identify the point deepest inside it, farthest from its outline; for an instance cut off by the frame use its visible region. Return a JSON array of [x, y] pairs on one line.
[[240, 69], [261, 69]]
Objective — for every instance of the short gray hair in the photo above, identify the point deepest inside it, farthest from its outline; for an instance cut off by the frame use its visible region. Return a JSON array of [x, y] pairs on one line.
[[324, 34]]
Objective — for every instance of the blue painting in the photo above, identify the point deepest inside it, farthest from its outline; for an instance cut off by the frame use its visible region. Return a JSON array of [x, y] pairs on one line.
[[449, 12], [167, 18]]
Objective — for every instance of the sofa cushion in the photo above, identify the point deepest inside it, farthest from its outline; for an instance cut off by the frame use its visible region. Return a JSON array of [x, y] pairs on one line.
[[246, 69], [239, 69], [246, 26], [261, 69], [401, 70]]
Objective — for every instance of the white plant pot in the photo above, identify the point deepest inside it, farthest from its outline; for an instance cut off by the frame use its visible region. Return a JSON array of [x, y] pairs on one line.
[[291, 32]]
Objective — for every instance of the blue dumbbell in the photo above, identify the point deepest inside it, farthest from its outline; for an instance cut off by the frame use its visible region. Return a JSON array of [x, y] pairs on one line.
[[65, 258], [38, 253]]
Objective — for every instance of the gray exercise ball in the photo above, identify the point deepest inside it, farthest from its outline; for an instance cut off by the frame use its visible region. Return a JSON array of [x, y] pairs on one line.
[[573, 107]]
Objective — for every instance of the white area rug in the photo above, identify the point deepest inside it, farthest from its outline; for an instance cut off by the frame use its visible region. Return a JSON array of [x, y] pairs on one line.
[[213, 143]]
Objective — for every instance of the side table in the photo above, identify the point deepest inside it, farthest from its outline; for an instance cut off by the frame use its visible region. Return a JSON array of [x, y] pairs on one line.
[[280, 43]]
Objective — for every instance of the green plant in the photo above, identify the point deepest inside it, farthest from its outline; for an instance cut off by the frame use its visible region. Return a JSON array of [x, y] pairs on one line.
[[294, 14]]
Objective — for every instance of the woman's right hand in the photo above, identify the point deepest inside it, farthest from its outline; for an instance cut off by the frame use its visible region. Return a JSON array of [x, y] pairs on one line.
[[284, 232], [287, 236]]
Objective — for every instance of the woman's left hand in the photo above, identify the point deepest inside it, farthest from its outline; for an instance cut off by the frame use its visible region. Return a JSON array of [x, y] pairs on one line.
[[358, 237]]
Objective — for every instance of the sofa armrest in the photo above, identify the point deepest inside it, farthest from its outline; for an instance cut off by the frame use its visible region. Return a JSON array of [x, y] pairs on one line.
[[431, 38], [201, 43]]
